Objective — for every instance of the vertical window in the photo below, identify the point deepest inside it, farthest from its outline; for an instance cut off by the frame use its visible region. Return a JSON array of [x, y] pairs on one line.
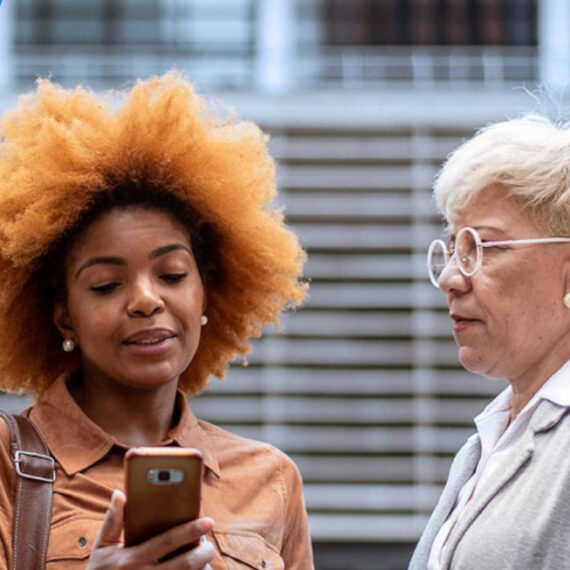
[[430, 22]]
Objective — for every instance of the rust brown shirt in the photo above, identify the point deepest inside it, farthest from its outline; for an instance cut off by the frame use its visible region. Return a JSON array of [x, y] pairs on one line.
[[252, 490]]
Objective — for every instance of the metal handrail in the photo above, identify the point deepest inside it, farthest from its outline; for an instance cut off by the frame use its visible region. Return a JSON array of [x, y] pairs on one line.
[[345, 67]]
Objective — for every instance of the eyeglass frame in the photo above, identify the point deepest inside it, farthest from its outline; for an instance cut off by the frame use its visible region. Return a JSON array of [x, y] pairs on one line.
[[479, 245]]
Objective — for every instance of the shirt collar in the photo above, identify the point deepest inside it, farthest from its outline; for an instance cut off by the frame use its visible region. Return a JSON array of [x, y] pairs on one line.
[[189, 433], [77, 442], [557, 387], [491, 422]]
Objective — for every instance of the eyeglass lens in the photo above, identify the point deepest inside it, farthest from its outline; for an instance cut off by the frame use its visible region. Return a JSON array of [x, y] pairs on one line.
[[437, 260], [466, 253]]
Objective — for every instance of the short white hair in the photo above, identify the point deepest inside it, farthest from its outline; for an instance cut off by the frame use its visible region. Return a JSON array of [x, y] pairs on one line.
[[528, 157]]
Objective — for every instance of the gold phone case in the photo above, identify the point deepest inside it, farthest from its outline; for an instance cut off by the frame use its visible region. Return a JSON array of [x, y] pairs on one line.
[[163, 490]]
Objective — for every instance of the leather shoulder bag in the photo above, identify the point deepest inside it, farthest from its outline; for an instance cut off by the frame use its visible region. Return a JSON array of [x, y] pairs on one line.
[[35, 469]]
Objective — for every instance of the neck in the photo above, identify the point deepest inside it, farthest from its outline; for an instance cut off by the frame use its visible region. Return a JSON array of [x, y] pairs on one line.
[[526, 385], [133, 417]]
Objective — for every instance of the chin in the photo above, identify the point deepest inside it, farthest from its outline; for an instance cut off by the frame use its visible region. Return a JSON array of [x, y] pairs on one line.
[[475, 362], [151, 377]]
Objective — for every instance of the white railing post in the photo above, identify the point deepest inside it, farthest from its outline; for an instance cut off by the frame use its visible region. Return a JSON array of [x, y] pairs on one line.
[[554, 43], [7, 10], [276, 42]]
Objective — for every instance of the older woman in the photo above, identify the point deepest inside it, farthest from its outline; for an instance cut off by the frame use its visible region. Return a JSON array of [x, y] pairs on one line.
[[505, 195], [139, 253]]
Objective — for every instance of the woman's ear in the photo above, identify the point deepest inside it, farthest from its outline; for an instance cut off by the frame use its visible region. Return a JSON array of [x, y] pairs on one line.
[[62, 320]]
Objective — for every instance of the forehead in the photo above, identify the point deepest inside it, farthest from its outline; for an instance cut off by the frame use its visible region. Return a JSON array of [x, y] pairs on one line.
[[128, 231], [493, 207]]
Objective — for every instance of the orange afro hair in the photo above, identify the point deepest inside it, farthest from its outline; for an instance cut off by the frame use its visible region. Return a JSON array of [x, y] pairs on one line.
[[61, 147]]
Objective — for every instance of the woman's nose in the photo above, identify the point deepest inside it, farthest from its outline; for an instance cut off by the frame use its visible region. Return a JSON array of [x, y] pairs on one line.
[[451, 278], [144, 299]]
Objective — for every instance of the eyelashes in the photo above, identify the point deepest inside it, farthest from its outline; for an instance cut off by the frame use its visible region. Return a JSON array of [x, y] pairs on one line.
[[104, 289], [168, 278], [174, 277]]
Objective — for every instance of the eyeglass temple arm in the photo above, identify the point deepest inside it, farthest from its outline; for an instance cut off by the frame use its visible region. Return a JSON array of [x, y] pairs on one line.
[[526, 241]]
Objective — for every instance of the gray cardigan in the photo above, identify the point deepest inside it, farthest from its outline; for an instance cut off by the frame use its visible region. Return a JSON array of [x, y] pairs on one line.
[[521, 519]]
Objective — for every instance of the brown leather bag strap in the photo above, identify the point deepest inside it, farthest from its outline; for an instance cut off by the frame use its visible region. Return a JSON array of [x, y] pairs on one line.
[[32, 510]]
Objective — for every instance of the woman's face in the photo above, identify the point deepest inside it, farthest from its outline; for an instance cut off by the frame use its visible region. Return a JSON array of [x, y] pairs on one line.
[[134, 299], [509, 318]]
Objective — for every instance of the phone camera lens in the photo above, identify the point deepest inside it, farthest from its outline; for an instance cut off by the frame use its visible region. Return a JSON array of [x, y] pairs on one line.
[[164, 475]]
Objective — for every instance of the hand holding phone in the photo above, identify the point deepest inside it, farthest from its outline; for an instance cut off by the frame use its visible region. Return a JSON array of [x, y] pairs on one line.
[[109, 551]]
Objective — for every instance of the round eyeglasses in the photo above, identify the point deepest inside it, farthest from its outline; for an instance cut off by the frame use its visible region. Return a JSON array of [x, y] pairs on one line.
[[468, 252]]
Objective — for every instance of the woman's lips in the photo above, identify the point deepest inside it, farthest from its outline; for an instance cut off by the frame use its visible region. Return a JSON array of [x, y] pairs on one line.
[[462, 322], [154, 341], [148, 336]]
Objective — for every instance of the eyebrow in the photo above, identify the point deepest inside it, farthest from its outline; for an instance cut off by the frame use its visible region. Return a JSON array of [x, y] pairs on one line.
[[490, 228], [448, 230], [167, 249], [112, 260], [101, 260]]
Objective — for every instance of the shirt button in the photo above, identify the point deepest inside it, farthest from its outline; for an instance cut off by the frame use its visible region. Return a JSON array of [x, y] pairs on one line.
[[82, 541]]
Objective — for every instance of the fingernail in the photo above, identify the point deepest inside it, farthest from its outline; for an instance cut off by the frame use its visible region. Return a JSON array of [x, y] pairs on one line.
[[114, 497], [206, 524]]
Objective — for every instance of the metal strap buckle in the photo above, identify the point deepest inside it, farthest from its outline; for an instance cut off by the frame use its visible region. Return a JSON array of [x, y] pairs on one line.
[[48, 458]]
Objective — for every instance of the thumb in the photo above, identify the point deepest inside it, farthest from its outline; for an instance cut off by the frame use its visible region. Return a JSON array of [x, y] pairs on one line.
[[110, 534]]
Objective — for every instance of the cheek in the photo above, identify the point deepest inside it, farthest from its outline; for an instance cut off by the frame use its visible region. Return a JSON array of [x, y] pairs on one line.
[[92, 323], [503, 294], [188, 304], [189, 314], [518, 308]]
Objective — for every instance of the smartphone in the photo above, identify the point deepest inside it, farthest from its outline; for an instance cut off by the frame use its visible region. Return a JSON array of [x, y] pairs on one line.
[[163, 491]]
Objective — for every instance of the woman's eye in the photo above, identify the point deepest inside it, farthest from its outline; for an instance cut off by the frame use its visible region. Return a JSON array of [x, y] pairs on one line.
[[105, 289], [173, 277]]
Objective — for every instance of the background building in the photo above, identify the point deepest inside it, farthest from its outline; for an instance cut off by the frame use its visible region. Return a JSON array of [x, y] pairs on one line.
[[363, 100]]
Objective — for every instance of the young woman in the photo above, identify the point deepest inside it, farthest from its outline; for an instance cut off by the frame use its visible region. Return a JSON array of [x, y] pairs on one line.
[[139, 253]]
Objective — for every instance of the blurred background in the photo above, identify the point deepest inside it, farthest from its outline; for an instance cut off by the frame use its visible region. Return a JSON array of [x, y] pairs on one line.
[[363, 99]]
